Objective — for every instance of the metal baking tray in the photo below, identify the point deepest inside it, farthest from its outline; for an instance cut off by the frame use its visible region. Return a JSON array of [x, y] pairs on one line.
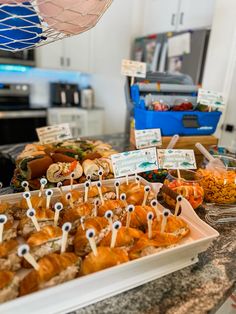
[[92, 288]]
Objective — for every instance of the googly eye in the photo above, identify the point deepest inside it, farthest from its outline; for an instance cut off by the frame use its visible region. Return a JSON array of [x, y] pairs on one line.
[[24, 184], [130, 208], [58, 206], [154, 203], [22, 250], [26, 195], [147, 188], [100, 172], [150, 216], [137, 179], [1, 185], [43, 181], [117, 225], [96, 201], [72, 175], [90, 233], [82, 220], [99, 184], [179, 198], [117, 183], [59, 184], [88, 177], [68, 196], [49, 192], [30, 213], [3, 219], [166, 212], [108, 214], [123, 197], [66, 227], [87, 184]]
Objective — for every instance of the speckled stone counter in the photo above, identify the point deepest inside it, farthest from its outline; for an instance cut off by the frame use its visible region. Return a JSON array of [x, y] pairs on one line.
[[197, 289]]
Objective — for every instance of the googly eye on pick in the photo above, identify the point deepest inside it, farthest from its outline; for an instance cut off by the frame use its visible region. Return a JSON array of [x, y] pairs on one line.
[[123, 196], [99, 184], [117, 225], [154, 203], [22, 250], [166, 212], [68, 196], [147, 188], [24, 184], [58, 206], [30, 213], [130, 208], [66, 227], [179, 198], [117, 183], [49, 192], [108, 214], [26, 195], [3, 219], [43, 181], [90, 233], [150, 216]]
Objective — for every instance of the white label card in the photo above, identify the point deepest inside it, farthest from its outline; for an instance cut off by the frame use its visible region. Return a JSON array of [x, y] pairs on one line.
[[179, 45], [54, 133], [210, 98], [176, 159], [135, 161], [148, 138], [133, 68]]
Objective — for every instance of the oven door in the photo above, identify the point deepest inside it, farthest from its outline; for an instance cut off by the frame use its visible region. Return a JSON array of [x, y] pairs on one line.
[[19, 126]]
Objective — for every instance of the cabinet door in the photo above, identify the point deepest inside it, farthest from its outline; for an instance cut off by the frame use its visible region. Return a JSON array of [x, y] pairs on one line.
[[160, 16], [77, 52], [195, 14], [50, 56]]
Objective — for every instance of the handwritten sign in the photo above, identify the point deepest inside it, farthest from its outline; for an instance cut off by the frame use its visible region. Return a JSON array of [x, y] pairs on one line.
[[210, 98], [148, 138], [133, 68], [54, 133], [176, 159], [132, 162]]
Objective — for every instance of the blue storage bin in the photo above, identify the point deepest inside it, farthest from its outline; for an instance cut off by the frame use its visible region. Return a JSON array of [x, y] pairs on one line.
[[173, 122]]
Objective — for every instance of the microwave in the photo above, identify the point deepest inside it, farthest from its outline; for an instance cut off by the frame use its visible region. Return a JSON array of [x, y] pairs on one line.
[[26, 57]]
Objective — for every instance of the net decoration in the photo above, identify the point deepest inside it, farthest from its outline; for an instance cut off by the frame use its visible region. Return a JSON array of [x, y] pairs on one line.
[[28, 24]]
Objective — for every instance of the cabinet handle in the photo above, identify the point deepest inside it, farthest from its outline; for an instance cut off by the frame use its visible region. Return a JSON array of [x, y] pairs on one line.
[[173, 19], [181, 20], [62, 61], [68, 62]]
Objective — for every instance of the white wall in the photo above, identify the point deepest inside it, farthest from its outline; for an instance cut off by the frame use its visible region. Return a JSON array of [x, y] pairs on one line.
[[112, 40], [220, 69]]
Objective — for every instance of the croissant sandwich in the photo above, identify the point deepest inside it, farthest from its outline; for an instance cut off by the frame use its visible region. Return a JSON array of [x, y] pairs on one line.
[[106, 257], [135, 193], [174, 225], [61, 171], [101, 228], [125, 237], [9, 260], [53, 270], [45, 241], [74, 214], [9, 286], [116, 206], [44, 216]]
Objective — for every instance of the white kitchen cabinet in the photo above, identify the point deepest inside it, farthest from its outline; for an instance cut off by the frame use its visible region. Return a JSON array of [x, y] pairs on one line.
[[195, 14], [82, 122], [50, 56], [176, 15], [160, 16], [72, 53]]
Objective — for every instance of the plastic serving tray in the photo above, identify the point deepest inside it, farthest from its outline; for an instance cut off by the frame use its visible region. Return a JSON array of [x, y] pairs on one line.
[[95, 287]]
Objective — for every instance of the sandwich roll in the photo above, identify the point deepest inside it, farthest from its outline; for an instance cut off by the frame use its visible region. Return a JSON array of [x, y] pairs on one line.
[[90, 168], [9, 286], [62, 171], [35, 167]]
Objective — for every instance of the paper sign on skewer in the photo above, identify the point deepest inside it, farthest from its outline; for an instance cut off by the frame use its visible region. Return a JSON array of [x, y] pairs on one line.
[[210, 98], [54, 133], [133, 68], [132, 162], [148, 138], [176, 159]]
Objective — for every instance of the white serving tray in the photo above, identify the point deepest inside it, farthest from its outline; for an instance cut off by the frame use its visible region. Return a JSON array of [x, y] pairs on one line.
[[87, 290]]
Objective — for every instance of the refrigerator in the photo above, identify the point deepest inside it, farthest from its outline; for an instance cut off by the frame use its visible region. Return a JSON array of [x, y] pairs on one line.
[[155, 51]]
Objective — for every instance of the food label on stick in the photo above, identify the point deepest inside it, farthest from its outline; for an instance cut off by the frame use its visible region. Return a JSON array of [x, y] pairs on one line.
[[136, 161], [133, 68], [54, 133], [210, 98], [148, 138], [176, 159]]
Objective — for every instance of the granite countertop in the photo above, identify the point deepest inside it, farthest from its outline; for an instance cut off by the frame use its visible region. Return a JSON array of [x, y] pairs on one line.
[[197, 289]]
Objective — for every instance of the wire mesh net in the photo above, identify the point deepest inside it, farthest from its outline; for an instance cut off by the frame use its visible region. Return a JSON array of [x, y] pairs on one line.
[[32, 23]]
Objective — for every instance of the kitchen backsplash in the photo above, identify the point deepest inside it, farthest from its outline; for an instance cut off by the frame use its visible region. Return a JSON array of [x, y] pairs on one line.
[[39, 80]]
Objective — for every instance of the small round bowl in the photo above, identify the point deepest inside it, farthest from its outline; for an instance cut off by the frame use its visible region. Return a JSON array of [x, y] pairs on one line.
[[188, 186]]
